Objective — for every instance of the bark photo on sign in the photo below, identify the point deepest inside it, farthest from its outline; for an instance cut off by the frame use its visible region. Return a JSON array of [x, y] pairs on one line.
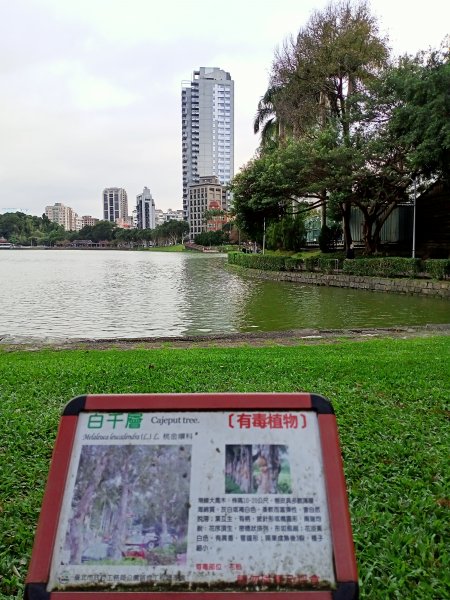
[[130, 505], [257, 469]]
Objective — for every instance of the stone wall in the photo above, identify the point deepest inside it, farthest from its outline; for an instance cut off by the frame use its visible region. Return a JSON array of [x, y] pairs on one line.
[[418, 287]]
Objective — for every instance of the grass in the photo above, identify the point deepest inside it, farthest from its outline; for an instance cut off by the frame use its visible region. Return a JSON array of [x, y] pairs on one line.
[[391, 400], [175, 248]]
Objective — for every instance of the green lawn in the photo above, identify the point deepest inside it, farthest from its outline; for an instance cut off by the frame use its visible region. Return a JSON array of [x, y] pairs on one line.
[[391, 400], [176, 248]]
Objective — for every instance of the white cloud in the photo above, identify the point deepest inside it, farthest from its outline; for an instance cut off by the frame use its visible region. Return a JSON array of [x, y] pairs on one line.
[[91, 88]]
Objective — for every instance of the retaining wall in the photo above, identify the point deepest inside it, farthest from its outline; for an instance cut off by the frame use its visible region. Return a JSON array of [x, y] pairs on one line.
[[417, 287]]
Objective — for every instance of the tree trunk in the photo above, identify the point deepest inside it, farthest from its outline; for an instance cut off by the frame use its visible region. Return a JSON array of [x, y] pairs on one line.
[[374, 219], [269, 469], [346, 214], [76, 524], [120, 528]]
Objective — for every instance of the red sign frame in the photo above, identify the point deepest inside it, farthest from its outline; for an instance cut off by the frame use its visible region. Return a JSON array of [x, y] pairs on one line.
[[341, 532]]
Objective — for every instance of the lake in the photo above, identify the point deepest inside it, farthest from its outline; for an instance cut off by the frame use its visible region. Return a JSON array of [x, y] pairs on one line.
[[122, 294]]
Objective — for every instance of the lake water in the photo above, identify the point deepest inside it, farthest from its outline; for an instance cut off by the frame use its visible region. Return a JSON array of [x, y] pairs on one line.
[[120, 294]]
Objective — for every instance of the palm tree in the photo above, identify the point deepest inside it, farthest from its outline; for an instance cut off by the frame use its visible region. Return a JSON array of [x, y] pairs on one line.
[[266, 119]]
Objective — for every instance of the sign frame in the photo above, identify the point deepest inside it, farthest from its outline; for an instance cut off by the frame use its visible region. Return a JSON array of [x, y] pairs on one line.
[[337, 502]]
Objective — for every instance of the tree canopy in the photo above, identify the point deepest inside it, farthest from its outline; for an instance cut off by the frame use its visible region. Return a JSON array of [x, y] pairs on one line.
[[345, 124], [21, 229]]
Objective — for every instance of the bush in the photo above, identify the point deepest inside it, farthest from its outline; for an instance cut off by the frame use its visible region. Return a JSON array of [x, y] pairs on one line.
[[437, 268], [294, 264], [329, 237], [287, 234], [365, 267], [264, 262], [211, 238], [383, 267], [327, 265], [283, 263]]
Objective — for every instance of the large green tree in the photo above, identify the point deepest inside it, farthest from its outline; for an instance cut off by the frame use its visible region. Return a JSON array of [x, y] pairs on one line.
[[20, 228], [358, 128], [317, 76], [332, 58], [420, 119]]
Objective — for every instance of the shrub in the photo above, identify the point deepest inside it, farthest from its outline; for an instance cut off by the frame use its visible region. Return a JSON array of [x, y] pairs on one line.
[[383, 267], [327, 265], [264, 262], [283, 263], [329, 237], [437, 268], [294, 264]]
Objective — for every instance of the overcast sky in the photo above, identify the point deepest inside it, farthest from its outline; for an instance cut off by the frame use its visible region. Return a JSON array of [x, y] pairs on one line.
[[90, 89]]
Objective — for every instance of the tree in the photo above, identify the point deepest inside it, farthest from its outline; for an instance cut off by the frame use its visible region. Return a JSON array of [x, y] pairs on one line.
[[20, 228], [253, 468], [121, 489], [103, 230], [212, 238], [318, 74], [333, 57], [277, 182], [287, 234], [170, 233], [266, 120], [239, 467], [420, 121]]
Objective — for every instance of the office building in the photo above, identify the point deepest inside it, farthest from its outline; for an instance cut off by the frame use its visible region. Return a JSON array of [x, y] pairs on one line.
[[207, 104], [115, 205], [145, 210]]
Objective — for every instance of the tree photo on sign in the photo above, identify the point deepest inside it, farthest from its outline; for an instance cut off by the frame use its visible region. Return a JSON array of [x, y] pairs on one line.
[[130, 504], [257, 469]]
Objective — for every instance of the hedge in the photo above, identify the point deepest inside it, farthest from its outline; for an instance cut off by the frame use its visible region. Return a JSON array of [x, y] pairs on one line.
[[364, 267], [264, 262], [437, 268], [383, 267]]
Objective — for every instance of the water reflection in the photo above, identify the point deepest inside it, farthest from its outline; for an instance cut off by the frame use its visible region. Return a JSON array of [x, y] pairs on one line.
[[100, 294], [211, 295]]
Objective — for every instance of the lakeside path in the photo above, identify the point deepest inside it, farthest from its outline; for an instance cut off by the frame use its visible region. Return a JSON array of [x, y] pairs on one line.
[[291, 337]]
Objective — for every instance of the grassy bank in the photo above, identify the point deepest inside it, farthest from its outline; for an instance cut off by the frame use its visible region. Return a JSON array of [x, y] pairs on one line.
[[176, 248], [390, 398]]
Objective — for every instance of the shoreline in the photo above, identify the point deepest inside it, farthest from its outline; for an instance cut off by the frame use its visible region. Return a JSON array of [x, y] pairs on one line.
[[292, 337]]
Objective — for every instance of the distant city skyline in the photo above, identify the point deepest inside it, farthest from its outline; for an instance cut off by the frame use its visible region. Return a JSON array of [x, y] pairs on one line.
[[92, 90]]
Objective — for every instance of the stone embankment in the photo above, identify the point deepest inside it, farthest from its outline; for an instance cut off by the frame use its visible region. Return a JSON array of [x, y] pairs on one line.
[[292, 337], [417, 287]]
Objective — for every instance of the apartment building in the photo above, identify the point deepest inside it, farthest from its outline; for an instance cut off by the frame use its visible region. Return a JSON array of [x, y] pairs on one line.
[[63, 215], [207, 106], [207, 195], [88, 221]]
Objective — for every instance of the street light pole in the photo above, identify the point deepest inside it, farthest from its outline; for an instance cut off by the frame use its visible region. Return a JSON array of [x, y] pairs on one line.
[[414, 221], [264, 237]]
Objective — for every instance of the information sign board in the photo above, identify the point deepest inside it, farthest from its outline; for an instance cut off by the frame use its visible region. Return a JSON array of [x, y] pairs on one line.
[[169, 495]]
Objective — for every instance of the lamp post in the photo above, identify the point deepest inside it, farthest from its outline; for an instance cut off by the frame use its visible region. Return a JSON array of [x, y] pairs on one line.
[[414, 221], [264, 237]]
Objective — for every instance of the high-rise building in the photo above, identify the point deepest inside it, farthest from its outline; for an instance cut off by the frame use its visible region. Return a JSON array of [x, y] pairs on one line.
[[63, 215], [145, 210], [115, 204], [207, 106]]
